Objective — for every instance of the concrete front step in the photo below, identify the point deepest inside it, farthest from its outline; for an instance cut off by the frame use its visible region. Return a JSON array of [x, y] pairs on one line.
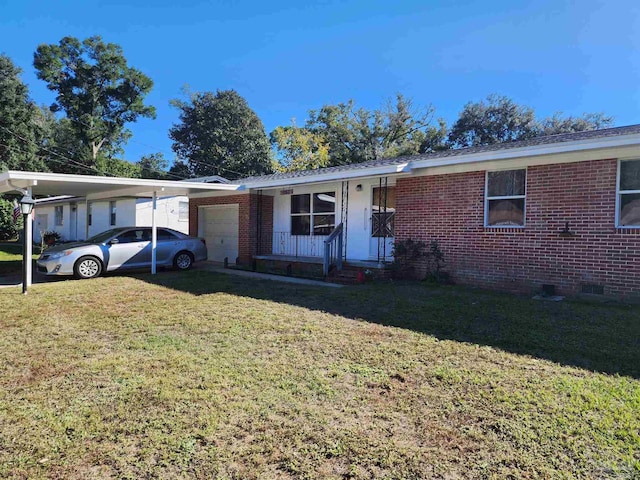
[[352, 271]]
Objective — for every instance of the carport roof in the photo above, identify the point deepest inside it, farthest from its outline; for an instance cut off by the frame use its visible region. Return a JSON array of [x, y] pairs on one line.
[[94, 188]]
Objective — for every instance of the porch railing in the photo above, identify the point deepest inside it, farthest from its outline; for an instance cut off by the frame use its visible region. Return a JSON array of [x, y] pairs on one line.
[[284, 243], [333, 250]]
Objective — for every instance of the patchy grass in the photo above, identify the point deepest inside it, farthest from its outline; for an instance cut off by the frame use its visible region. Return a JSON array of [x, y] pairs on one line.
[[11, 258], [198, 375]]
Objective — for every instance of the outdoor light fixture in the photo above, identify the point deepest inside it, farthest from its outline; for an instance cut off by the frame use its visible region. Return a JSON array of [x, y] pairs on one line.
[[26, 206], [358, 188]]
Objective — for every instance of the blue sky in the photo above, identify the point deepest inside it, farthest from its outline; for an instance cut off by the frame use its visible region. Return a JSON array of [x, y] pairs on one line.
[[286, 57]]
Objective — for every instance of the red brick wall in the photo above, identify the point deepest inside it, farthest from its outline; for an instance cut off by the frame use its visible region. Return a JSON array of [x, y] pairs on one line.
[[450, 208], [247, 222]]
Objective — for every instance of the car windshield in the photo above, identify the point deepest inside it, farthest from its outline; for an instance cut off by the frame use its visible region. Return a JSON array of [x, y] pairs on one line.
[[104, 236]]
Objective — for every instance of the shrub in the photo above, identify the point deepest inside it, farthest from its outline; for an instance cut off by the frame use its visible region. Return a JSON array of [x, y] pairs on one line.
[[49, 238], [8, 229], [435, 264], [406, 254]]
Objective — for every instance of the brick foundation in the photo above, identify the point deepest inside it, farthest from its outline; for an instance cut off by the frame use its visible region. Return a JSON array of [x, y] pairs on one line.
[[450, 208]]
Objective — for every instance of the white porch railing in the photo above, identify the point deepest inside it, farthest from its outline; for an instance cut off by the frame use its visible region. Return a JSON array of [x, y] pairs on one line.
[[284, 243]]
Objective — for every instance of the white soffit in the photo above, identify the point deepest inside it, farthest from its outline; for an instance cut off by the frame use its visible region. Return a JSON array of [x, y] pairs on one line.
[[94, 187]]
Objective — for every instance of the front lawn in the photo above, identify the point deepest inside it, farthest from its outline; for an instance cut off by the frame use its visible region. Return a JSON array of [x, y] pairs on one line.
[[201, 375], [11, 258]]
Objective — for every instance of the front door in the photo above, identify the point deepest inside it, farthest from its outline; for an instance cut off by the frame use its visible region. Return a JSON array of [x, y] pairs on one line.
[[383, 211], [41, 226]]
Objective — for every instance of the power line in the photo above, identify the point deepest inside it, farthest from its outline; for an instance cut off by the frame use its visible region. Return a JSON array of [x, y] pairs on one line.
[[71, 161], [88, 167], [162, 152], [40, 156]]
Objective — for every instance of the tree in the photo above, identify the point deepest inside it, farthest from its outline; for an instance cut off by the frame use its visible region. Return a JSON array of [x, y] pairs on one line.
[[98, 92], [589, 121], [153, 166], [357, 135], [180, 169], [219, 134], [299, 149], [20, 131], [435, 139], [8, 229], [115, 167], [498, 120]]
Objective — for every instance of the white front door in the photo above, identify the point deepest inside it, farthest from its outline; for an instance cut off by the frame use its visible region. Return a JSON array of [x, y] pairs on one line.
[[41, 226], [219, 227], [383, 211]]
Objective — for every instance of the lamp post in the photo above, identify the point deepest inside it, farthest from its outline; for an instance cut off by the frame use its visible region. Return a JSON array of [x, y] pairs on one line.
[[26, 206]]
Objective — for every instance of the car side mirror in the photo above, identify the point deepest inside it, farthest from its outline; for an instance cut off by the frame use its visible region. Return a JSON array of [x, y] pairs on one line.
[[114, 241]]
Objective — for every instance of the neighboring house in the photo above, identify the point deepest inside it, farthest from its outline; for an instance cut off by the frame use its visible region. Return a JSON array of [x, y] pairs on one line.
[[68, 215], [561, 210]]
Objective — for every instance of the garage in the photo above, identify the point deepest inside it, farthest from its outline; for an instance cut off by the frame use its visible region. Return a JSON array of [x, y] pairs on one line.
[[219, 226]]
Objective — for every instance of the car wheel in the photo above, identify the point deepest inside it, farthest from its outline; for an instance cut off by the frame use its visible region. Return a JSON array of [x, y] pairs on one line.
[[183, 261], [87, 267]]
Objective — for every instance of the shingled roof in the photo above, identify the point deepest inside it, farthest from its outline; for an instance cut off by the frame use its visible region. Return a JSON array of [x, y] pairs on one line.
[[532, 142]]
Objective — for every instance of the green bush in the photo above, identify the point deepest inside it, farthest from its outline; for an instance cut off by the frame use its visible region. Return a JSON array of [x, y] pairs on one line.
[[406, 253], [8, 229], [435, 264]]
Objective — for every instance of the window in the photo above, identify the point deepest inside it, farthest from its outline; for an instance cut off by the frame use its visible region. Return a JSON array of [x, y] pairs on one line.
[[165, 235], [383, 212], [313, 213], [112, 213], [505, 198], [183, 211], [89, 213], [629, 193], [138, 235], [58, 214]]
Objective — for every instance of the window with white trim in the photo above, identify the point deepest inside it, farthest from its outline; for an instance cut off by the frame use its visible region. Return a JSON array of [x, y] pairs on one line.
[[629, 193], [58, 214], [505, 198], [313, 213], [183, 211]]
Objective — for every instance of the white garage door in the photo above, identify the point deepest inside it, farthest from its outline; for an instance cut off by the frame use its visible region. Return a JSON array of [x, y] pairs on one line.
[[220, 229]]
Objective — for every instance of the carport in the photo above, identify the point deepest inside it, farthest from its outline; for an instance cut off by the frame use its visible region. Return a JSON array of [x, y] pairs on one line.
[[98, 188]]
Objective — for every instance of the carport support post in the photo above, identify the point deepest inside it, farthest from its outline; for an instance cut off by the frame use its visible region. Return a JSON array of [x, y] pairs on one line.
[[154, 234], [28, 248]]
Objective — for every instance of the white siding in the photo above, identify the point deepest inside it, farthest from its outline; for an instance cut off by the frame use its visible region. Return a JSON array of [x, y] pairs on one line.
[[167, 213], [358, 224], [129, 212], [64, 230]]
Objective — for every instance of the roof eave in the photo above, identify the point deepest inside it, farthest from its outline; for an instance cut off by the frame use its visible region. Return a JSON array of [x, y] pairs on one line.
[[334, 176], [18, 181], [532, 151]]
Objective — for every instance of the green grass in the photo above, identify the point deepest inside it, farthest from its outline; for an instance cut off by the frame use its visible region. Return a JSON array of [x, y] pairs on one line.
[[11, 258], [199, 375]]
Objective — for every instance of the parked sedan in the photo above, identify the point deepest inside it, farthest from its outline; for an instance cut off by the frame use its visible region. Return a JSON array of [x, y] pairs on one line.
[[122, 248]]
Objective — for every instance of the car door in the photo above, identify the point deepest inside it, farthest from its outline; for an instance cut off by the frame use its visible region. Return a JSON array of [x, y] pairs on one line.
[[167, 247], [132, 249]]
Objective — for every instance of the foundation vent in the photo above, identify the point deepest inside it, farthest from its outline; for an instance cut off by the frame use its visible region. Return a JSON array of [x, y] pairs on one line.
[[593, 289]]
